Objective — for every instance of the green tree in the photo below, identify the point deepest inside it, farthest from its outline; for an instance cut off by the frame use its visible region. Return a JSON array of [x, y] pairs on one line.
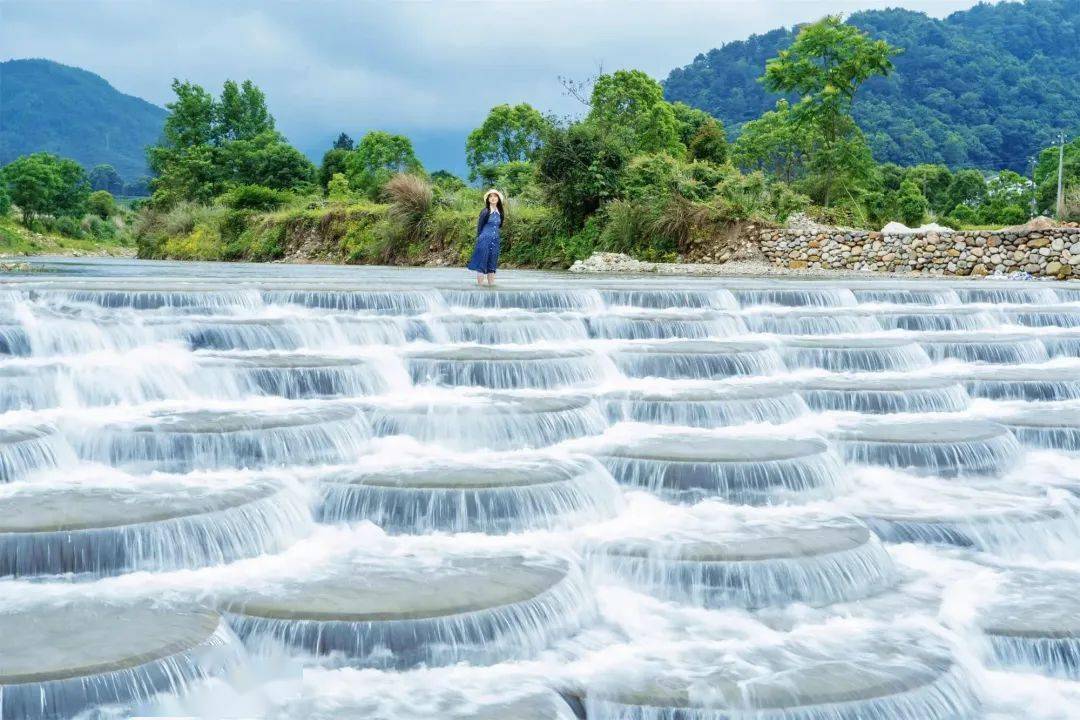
[[688, 120], [631, 105], [513, 178], [338, 188], [190, 122], [709, 143], [447, 180], [933, 181], [209, 146], [102, 204], [343, 142], [378, 157], [5, 201], [333, 162], [509, 134], [826, 65], [911, 204], [44, 184], [775, 144], [1008, 197], [265, 160], [189, 174], [578, 169], [105, 177], [241, 113], [968, 189]]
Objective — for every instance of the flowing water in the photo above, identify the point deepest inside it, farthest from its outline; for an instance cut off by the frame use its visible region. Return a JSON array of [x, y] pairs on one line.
[[272, 492]]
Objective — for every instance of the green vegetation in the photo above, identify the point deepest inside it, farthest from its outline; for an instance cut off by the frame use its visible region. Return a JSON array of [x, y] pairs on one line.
[[211, 146], [509, 137], [986, 88], [378, 157], [49, 107], [58, 212], [636, 174]]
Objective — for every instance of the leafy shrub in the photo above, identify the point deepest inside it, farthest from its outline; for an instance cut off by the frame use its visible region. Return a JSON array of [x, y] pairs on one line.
[[709, 143], [578, 169], [102, 204], [911, 204], [1071, 210], [96, 227], [648, 177], [337, 190], [201, 243], [5, 201], [628, 228], [255, 197]]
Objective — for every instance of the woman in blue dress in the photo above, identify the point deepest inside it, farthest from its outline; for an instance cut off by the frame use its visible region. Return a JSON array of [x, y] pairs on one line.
[[485, 257]]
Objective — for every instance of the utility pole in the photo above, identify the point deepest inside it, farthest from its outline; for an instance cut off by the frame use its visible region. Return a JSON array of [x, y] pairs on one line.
[[1034, 190], [1061, 172]]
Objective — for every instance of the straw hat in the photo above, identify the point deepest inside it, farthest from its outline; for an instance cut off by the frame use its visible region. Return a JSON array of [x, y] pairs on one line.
[[502, 198]]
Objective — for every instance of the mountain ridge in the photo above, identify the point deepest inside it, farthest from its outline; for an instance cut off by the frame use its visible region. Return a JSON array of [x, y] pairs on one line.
[[46, 106], [986, 87]]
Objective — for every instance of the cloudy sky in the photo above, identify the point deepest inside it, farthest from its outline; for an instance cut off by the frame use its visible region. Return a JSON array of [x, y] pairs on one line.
[[428, 69]]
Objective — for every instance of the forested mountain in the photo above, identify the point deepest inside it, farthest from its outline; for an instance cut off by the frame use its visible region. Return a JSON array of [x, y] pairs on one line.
[[46, 106], [987, 87]]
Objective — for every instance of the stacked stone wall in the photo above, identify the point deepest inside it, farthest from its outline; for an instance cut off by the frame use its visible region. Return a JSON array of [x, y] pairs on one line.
[[1047, 253]]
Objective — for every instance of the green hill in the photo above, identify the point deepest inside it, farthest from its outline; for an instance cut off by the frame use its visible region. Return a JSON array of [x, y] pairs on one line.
[[46, 106], [987, 87]]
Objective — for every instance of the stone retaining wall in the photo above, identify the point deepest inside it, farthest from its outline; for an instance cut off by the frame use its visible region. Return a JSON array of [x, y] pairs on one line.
[[1049, 252]]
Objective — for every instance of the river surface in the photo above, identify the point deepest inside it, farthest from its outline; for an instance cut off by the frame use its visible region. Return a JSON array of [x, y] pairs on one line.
[[270, 491]]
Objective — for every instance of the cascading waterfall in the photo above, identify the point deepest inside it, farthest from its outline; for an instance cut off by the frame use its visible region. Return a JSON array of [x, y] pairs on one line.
[[884, 394], [160, 525], [500, 494], [60, 662], [477, 609], [707, 407], [664, 326], [401, 497], [29, 449], [854, 354], [753, 563], [972, 347]]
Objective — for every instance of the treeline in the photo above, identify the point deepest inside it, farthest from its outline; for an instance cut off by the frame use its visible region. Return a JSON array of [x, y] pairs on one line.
[[634, 174], [55, 195]]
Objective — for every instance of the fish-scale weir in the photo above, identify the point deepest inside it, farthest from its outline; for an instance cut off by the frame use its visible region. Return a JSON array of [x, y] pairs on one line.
[[752, 497]]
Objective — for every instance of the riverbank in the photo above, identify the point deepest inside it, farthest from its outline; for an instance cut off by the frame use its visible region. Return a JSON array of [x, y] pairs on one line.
[[17, 241]]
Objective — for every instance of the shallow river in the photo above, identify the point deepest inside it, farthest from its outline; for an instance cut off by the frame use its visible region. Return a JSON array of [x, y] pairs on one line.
[[267, 491]]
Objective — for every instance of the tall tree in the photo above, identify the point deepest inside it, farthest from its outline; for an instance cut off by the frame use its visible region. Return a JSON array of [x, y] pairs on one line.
[[775, 144], [209, 146], [44, 184], [378, 157], [629, 104], [105, 177], [241, 113], [578, 169], [343, 142], [509, 134], [826, 65]]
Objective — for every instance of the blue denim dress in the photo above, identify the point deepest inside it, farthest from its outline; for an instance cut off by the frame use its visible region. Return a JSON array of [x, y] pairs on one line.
[[485, 257]]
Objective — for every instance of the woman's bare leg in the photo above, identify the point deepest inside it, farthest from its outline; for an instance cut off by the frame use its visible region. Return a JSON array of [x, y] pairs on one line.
[[480, 278], [491, 278]]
